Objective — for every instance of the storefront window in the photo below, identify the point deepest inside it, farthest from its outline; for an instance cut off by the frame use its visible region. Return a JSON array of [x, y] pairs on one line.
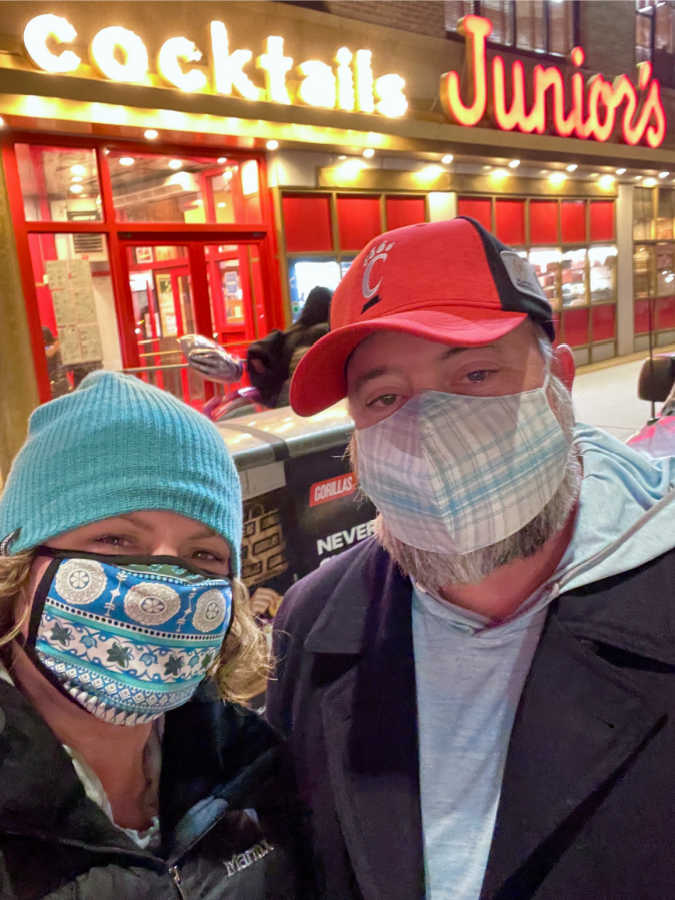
[[304, 274], [602, 273], [531, 25], [664, 221], [76, 306], [642, 214], [573, 277], [546, 264], [663, 254], [642, 267], [59, 184], [155, 188]]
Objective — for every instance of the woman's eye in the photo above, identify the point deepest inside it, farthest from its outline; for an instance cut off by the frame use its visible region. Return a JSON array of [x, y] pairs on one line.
[[208, 555], [113, 540]]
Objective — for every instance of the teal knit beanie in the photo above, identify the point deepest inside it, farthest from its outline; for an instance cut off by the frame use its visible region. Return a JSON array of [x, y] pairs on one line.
[[117, 445]]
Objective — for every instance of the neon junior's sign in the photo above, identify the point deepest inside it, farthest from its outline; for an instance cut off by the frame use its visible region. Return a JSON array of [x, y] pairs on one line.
[[119, 54], [592, 111]]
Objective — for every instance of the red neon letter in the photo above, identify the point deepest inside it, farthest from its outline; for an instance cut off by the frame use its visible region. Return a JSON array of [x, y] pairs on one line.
[[515, 117], [600, 91], [475, 30], [544, 79]]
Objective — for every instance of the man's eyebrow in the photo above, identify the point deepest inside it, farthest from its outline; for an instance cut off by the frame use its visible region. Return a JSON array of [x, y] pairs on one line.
[[378, 371]]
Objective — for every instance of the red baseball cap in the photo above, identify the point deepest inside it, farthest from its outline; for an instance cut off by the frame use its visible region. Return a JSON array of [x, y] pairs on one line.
[[450, 281]]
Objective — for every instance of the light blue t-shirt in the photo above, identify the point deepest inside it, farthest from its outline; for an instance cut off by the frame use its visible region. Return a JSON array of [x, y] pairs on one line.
[[470, 675]]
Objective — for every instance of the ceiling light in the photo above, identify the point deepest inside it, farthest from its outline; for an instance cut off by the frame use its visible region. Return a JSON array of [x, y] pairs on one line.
[[514, 164], [664, 174], [606, 181], [2, 122], [221, 204], [368, 153], [126, 160], [593, 175], [499, 173], [78, 169], [650, 182], [557, 177], [272, 145], [175, 164], [151, 134], [222, 160], [342, 156], [76, 179], [637, 177], [76, 188], [447, 158], [486, 167], [572, 167], [621, 171]]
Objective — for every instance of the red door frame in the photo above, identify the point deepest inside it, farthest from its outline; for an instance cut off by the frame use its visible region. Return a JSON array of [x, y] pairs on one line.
[[117, 233]]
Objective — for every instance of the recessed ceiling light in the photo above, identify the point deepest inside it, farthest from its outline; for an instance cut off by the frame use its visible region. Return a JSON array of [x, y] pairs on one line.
[[572, 167], [222, 160], [76, 188], [272, 145], [76, 179], [369, 153], [637, 177], [175, 164], [78, 169], [2, 122], [499, 173], [151, 134], [650, 182], [486, 168], [664, 174], [557, 177], [447, 158], [593, 175], [606, 181], [126, 160], [514, 163], [342, 156], [621, 171]]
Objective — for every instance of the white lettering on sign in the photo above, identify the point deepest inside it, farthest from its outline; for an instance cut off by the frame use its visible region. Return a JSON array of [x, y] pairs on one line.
[[121, 55], [332, 488], [341, 539]]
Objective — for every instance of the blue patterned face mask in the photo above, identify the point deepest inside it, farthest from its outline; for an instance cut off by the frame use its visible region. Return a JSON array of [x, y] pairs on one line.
[[128, 638], [454, 473]]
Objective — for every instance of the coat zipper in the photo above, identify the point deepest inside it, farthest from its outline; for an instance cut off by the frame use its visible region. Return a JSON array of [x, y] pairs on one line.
[[177, 878]]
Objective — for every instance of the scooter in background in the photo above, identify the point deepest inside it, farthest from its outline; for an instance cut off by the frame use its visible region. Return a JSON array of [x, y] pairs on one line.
[[214, 363], [656, 384]]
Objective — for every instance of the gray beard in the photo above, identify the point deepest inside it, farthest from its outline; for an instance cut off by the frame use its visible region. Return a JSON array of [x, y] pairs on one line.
[[435, 570]]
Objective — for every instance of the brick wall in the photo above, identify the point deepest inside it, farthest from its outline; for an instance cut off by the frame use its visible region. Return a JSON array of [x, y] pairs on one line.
[[607, 32], [425, 17]]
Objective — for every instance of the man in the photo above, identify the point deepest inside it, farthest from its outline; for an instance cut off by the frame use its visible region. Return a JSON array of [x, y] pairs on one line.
[[480, 700]]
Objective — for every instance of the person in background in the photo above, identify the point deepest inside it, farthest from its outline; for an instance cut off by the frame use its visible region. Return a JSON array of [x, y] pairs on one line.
[[480, 700], [58, 381], [128, 765], [271, 361]]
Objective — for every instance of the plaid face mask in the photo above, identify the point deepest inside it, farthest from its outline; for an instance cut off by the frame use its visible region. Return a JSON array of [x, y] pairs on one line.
[[128, 638], [454, 473]]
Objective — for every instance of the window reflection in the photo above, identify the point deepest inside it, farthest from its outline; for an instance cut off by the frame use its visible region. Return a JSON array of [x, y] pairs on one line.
[[573, 277], [546, 262], [59, 184], [602, 273]]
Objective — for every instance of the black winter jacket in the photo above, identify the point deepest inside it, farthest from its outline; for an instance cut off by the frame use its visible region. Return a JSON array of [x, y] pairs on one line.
[[587, 805], [218, 761]]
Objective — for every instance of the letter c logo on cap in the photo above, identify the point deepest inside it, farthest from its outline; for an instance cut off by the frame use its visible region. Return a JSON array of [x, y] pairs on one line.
[[376, 253]]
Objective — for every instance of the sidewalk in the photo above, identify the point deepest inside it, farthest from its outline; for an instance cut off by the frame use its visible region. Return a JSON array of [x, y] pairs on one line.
[[605, 395]]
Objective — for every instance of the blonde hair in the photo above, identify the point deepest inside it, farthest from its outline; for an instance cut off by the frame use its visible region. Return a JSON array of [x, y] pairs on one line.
[[240, 671]]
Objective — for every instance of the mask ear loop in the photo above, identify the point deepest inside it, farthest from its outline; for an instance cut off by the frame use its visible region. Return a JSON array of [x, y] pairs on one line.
[[39, 600]]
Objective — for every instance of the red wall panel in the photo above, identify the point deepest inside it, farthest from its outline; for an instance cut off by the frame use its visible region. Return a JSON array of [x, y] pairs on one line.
[[404, 211], [358, 221], [576, 326], [573, 221], [307, 222], [543, 222], [476, 208], [641, 316], [510, 221], [665, 312], [602, 220], [603, 321]]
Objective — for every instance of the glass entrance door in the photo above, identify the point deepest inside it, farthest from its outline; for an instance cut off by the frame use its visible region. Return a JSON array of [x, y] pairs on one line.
[[186, 288]]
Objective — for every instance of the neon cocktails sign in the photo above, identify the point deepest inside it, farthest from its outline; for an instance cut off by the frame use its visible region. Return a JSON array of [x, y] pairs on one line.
[[121, 55], [592, 111]]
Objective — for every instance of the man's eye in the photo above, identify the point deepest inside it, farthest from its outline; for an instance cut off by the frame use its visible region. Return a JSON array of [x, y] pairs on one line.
[[382, 400], [114, 540], [478, 375], [208, 555]]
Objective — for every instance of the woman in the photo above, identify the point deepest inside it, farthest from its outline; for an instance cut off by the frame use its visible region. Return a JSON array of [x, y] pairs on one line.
[[123, 624]]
